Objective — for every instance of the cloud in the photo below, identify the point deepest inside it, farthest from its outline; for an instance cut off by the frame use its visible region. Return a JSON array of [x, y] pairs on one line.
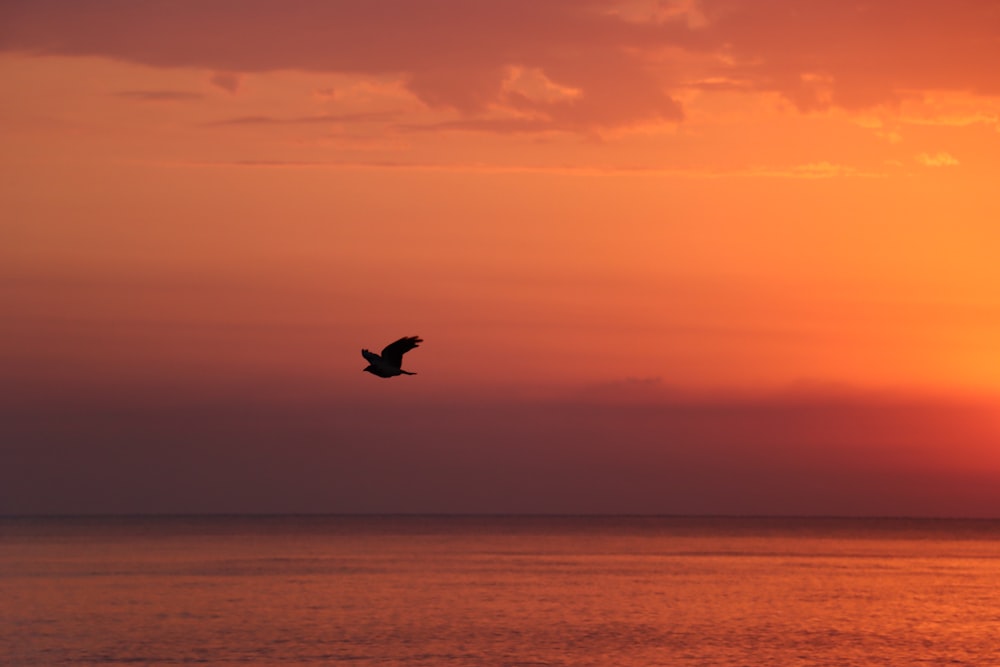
[[450, 53], [823, 170], [304, 120], [946, 119], [228, 81], [159, 95], [507, 125], [940, 159], [561, 64], [810, 170], [855, 55]]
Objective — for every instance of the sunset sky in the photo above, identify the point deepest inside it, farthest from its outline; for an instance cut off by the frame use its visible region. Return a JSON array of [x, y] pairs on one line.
[[693, 256]]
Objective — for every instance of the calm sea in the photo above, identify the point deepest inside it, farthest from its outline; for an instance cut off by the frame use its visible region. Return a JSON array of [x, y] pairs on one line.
[[498, 591]]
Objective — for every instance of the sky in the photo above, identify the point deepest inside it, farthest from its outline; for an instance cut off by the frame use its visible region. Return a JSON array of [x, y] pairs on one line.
[[667, 257]]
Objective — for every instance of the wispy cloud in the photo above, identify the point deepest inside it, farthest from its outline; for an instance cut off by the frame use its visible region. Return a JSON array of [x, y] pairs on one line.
[[941, 159], [160, 95], [506, 125], [809, 171], [320, 119], [227, 81]]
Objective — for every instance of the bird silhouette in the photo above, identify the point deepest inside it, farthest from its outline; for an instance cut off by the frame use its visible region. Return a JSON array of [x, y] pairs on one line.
[[389, 363]]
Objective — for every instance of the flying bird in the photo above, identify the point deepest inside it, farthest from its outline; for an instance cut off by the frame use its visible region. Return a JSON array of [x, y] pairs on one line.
[[389, 363]]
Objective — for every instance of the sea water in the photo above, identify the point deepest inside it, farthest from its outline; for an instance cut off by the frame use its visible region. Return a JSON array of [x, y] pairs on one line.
[[449, 591]]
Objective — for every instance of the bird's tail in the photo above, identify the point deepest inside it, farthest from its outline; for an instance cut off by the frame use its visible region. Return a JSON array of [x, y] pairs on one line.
[[406, 372]]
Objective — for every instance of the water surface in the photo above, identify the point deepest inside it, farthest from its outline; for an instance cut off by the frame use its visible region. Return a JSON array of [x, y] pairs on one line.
[[455, 591]]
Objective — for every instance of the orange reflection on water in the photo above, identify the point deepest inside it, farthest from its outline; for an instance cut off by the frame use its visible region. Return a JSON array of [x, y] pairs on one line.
[[499, 591]]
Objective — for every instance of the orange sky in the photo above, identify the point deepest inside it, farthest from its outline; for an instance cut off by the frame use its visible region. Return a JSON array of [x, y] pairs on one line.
[[773, 205]]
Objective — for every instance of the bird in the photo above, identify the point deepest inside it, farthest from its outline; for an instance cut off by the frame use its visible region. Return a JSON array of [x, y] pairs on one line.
[[389, 363]]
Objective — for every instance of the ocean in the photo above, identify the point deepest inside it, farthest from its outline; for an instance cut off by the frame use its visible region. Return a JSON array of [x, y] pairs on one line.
[[505, 591]]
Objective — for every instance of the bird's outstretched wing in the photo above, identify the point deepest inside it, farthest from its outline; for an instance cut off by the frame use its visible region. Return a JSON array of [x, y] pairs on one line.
[[370, 356], [393, 352]]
